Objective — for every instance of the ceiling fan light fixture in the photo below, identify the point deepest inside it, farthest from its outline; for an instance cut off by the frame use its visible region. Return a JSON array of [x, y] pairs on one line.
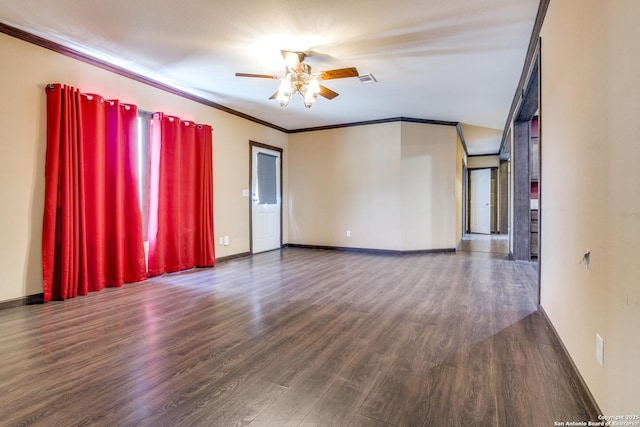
[[311, 91], [313, 86], [309, 99], [300, 79], [284, 102], [286, 91]]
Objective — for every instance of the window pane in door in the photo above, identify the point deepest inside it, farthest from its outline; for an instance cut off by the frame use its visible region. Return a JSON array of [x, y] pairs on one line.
[[266, 166]]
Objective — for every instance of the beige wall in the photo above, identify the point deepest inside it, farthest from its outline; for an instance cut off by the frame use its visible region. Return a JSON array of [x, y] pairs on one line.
[[346, 179], [428, 186], [393, 185], [26, 71], [590, 198]]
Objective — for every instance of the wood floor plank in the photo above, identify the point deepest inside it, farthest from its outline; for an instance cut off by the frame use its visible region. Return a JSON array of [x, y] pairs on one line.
[[558, 394], [294, 337], [398, 397], [302, 395], [517, 388], [341, 400]]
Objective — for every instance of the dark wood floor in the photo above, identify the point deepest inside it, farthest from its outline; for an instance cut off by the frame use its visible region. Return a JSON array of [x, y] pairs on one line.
[[294, 337]]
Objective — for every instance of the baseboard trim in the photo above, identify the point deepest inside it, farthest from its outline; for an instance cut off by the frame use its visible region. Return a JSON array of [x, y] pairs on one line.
[[232, 257], [18, 302], [578, 382], [370, 251]]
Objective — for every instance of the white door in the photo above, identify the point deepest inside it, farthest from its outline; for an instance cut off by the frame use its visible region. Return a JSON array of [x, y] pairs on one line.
[[480, 201], [266, 199]]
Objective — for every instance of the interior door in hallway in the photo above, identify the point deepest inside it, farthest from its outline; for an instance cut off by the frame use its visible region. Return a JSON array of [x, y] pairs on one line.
[[480, 195], [266, 205]]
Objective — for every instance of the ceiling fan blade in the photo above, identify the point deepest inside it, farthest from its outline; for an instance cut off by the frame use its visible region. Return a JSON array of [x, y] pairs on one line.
[[339, 73], [260, 76], [293, 59], [327, 93], [275, 95]]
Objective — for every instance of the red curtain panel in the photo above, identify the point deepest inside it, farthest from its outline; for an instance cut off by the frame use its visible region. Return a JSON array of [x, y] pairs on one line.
[[92, 230], [204, 252], [181, 210], [61, 239]]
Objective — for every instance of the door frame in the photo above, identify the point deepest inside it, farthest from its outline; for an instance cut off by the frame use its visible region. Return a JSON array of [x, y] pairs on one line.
[[272, 148], [529, 105]]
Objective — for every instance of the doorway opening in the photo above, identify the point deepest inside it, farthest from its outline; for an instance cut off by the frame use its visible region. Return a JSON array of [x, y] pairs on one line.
[[525, 160], [522, 149], [485, 201], [486, 229]]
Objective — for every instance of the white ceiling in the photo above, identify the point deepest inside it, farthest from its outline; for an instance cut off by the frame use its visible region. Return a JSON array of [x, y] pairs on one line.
[[451, 60]]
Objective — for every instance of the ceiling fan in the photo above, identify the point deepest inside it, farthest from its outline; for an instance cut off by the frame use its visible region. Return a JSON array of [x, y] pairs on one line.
[[300, 79]]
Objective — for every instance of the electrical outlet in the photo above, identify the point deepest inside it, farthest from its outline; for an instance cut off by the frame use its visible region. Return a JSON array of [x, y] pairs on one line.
[[600, 350], [226, 240], [221, 240], [348, 233]]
